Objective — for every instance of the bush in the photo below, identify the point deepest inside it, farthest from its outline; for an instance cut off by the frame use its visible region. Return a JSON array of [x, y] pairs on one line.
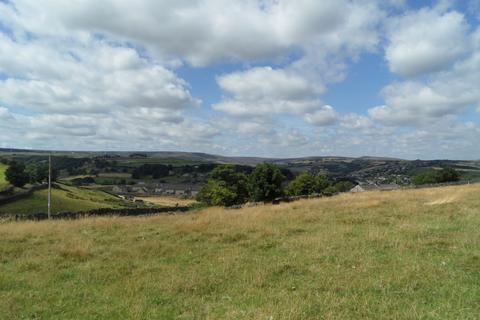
[[265, 183]]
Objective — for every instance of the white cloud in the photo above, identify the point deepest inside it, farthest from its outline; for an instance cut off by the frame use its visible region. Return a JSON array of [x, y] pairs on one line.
[[425, 41], [324, 116], [263, 92], [450, 93], [204, 32], [102, 75], [198, 31], [95, 78]]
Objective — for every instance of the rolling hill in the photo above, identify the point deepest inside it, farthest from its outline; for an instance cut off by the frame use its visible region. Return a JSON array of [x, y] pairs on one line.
[[64, 198], [3, 181], [407, 254]]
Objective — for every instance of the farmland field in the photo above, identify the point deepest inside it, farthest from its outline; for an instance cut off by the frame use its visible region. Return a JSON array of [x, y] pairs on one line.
[[167, 200], [64, 198], [410, 254], [3, 182]]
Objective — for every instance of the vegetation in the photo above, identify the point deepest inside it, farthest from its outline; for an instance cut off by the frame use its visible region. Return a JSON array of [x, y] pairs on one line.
[[343, 186], [436, 176], [16, 174], [265, 183], [3, 181], [306, 184], [225, 187], [64, 198], [410, 254]]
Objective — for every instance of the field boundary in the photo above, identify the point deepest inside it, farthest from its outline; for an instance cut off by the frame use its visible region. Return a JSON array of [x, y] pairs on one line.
[[20, 195], [121, 212]]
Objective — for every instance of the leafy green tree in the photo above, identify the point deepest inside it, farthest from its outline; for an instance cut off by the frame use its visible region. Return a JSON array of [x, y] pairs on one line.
[[426, 177], [330, 190], [448, 175], [216, 193], [38, 172], [321, 183], [225, 187], [343, 186], [16, 174], [303, 184], [265, 182], [436, 176]]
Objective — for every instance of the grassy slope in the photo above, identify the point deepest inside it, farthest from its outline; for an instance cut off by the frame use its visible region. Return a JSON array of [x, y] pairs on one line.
[[64, 199], [3, 182], [411, 254]]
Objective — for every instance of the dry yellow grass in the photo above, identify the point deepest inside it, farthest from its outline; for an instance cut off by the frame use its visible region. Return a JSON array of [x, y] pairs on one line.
[[167, 201], [406, 254]]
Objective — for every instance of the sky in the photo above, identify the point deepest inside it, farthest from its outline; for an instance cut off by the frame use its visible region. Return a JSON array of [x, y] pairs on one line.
[[270, 78]]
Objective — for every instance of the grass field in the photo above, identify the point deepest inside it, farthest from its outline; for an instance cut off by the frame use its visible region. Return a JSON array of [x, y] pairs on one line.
[[167, 201], [411, 254], [64, 198], [3, 182]]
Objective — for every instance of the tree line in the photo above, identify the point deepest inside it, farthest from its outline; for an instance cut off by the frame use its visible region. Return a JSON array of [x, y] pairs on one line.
[[436, 176], [227, 187], [18, 174]]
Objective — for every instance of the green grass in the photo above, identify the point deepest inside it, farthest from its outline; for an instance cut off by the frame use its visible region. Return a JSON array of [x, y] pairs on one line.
[[411, 254], [64, 198], [3, 181]]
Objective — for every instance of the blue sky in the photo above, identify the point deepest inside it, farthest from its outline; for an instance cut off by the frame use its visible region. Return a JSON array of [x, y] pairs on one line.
[[255, 78]]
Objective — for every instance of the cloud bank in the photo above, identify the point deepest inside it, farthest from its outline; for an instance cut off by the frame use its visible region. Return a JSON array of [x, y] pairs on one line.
[[106, 75]]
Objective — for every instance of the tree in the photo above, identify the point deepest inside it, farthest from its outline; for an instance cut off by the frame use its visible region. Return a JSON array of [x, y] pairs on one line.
[[436, 176], [216, 193], [427, 177], [265, 183], [343, 186], [448, 175], [321, 183], [38, 172], [303, 184], [16, 174], [225, 187]]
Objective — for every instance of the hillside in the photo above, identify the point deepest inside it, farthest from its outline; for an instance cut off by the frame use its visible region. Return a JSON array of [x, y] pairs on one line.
[[191, 169], [64, 198], [410, 254], [3, 182]]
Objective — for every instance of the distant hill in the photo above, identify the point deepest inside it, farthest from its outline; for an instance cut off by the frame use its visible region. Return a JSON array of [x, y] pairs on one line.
[[360, 169]]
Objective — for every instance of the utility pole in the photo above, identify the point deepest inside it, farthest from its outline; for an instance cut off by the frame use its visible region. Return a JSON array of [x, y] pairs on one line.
[[49, 186]]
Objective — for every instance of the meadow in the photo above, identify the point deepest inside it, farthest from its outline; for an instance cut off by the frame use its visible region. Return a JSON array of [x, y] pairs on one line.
[[64, 198], [3, 181], [168, 201], [407, 254]]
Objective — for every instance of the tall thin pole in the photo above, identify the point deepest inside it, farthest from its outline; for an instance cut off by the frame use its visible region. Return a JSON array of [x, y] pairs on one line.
[[49, 185]]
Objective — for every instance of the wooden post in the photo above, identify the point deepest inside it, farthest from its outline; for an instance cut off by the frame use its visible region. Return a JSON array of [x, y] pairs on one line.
[[49, 186]]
